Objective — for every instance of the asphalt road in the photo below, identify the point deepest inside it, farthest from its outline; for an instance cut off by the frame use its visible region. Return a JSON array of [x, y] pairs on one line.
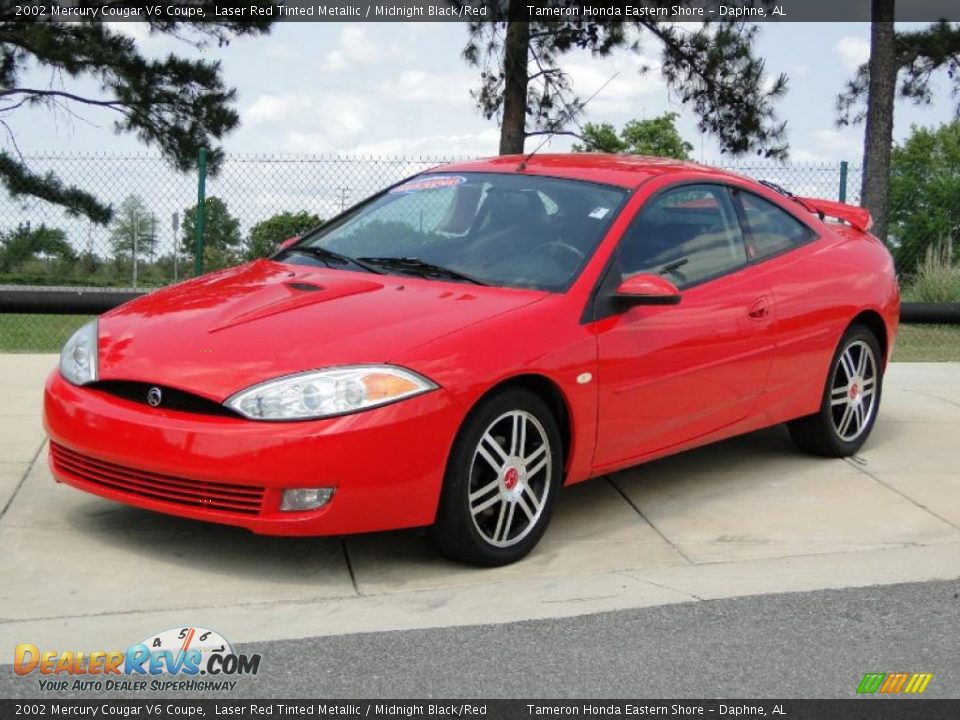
[[814, 644]]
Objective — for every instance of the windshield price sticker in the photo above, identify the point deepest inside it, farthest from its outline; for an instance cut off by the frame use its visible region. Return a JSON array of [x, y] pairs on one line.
[[430, 183]]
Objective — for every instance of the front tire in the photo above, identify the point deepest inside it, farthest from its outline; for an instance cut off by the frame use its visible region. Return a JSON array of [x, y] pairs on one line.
[[851, 398], [502, 478]]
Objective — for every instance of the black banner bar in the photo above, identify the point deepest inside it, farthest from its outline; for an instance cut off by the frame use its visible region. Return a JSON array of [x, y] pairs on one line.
[[475, 10], [865, 708]]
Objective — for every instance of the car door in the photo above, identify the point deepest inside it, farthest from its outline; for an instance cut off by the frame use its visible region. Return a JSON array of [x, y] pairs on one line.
[[672, 373], [803, 282]]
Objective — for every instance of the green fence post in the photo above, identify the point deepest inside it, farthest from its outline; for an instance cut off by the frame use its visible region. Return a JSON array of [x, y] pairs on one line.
[[201, 212], [843, 180]]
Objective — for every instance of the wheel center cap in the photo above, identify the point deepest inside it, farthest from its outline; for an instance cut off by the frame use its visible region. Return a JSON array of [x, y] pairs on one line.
[[854, 391], [510, 478]]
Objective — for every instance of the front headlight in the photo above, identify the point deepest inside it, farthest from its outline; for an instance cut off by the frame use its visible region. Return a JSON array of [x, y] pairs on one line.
[[322, 393], [78, 361]]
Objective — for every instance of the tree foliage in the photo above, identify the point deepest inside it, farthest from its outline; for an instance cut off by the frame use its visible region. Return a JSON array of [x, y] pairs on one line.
[[925, 194], [918, 54], [175, 104], [134, 228], [222, 238], [601, 138], [520, 75], [26, 243], [902, 63], [711, 69], [267, 234], [657, 136]]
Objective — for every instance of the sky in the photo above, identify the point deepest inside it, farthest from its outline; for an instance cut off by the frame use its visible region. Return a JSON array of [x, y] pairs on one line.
[[403, 89]]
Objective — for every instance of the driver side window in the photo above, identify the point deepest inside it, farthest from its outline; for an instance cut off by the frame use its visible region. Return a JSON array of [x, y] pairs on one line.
[[689, 234]]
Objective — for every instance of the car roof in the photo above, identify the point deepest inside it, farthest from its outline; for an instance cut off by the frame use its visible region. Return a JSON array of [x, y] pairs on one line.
[[626, 171]]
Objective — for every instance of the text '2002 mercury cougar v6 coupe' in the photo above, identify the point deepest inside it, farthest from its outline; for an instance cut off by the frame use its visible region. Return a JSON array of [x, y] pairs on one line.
[[453, 350]]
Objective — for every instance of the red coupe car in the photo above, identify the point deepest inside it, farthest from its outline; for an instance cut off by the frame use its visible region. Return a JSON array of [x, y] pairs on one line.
[[453, 350]]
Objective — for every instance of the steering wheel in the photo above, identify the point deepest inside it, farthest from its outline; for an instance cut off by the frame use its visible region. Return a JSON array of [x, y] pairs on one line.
[[561, 245]]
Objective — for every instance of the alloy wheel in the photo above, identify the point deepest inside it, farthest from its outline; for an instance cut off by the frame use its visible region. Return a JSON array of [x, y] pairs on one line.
[[853, 393], [510, 477]]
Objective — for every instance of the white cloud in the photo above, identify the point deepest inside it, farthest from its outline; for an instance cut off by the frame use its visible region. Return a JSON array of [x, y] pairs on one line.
[[355, 48], [616, 80], [339, 127], [839, 144], [476, 144], [272, 108], [307, 123], [806, 156], [853, 51], [309, 143], [417, 85], [279, 51]]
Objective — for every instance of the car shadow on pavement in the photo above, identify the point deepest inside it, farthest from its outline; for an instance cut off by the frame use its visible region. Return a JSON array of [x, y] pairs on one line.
[[216, 548], [653, 515]]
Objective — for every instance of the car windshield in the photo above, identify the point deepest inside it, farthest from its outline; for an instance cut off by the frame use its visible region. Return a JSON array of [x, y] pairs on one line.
[[486, 228]]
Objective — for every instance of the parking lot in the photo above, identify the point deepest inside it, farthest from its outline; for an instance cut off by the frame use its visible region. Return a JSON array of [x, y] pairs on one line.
[[744, 517]]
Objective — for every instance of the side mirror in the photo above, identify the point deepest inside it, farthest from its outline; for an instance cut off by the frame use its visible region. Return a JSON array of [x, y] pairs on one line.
[[646, 289], [288, 242]]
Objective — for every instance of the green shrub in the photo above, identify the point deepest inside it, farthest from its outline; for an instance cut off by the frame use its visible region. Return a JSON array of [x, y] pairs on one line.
[[937, 279]]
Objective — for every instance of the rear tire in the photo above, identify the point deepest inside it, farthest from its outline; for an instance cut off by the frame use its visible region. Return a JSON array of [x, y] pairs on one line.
[[850, 401], [501, 481]]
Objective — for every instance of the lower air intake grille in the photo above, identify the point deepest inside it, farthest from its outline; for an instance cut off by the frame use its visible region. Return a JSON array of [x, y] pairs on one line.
[[221, 497]]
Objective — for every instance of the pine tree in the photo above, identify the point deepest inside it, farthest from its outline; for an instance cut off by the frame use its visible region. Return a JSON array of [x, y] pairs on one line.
[[175, 104], [712, 70], [911, 58]]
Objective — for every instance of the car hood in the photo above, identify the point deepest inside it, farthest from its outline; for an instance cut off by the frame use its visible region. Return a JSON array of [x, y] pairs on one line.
[[220, 333]]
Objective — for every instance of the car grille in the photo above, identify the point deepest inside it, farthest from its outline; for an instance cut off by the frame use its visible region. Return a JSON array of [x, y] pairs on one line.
[[173, 399], [221, 497]]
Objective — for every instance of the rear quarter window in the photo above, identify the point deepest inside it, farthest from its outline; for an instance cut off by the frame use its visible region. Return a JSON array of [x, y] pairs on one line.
[[770, 230]]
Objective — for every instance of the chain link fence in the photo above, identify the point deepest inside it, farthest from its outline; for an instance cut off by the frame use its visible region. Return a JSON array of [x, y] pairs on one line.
[[249, 205], [150, 241]]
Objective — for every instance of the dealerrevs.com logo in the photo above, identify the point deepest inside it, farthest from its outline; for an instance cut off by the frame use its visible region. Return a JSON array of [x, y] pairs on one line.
[[188, 658]]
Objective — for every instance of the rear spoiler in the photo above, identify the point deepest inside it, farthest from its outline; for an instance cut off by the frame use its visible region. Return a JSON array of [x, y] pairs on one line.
[[857, 217]]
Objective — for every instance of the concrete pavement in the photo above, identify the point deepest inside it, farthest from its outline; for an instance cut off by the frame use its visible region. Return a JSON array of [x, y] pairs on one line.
[[748, 516]]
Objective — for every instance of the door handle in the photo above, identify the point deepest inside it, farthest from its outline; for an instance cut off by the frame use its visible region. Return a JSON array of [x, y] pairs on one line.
[[759, 309]]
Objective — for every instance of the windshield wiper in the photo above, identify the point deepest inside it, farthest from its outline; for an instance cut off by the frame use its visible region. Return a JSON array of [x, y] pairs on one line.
[[422, 267], [328, 256], [672, 267]]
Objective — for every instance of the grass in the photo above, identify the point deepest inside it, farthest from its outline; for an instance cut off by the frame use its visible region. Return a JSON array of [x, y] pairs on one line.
[[37, 333], [927, 343], [48, 333]]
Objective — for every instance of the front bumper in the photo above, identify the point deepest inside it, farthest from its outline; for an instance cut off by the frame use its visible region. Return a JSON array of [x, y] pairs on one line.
[[387, 464]]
